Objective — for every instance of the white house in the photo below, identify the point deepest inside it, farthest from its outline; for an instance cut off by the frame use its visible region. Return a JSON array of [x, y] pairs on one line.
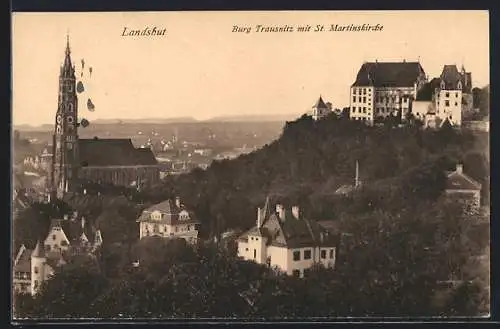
[[169, 219], [460, 185], [66, 237], [286, 240]]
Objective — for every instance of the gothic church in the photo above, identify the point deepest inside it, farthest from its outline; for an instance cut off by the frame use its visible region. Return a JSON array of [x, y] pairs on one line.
[[107, 161]]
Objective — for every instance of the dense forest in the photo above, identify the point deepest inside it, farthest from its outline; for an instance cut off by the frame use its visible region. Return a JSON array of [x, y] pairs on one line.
[[404, 249]]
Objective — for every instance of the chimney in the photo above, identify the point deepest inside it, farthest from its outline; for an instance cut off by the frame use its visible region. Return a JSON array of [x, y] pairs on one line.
[[280, 210], [259, 218], [460, 168], [296, 212], [178, 202]]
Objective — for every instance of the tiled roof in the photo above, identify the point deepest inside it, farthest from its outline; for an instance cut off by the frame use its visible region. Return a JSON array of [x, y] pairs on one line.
[[292, 232], [113, 152], [320, 104], [389, 74], [170, 212], [427, 90], [460, 181], [23, 263], [450, 76]]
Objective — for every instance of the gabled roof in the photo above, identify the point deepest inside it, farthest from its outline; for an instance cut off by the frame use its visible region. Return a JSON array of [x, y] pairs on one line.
[[170, 214], [291, 232], [389, 74], [23, 260], [320, 104], [460, 181], [113, 152]]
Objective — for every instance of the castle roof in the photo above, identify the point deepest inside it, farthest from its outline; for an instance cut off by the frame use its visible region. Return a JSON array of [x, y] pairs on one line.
[[113, 152], [451, 76], [427, 90], [389, 74]]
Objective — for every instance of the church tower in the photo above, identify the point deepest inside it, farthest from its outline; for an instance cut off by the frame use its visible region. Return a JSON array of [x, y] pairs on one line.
[[65, 138]]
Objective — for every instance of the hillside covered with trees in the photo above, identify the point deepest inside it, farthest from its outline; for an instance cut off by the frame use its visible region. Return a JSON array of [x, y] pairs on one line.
[[404, 249]]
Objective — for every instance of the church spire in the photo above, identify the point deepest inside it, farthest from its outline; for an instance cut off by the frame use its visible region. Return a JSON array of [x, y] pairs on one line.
[[67, 68]]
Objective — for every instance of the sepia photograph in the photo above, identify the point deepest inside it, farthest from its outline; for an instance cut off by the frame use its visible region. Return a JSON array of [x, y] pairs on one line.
[[250, 165]]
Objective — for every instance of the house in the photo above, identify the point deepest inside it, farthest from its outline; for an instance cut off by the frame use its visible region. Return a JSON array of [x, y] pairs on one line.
[[285, 240], [458, 184], [169, 219], [382, 89], [66, 238], [321, 109]]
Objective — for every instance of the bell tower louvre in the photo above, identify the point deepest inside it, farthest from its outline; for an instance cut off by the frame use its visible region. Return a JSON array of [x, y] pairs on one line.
[[64, 171]]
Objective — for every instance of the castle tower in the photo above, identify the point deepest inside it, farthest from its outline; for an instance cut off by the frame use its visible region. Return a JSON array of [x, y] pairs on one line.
[[65, 139], [37, 267]]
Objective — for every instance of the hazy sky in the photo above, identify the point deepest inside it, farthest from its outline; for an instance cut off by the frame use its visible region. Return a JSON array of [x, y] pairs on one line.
[[202, 69]]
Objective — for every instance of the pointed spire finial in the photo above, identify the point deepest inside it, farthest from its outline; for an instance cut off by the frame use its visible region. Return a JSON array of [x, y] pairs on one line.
[[67, 43]]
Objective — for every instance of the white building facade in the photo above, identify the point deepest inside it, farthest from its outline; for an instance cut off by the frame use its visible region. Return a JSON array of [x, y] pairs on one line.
[[286, 241], [382, 89]]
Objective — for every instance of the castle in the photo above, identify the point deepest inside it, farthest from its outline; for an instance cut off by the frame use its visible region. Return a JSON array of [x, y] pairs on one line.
[[76, 160]]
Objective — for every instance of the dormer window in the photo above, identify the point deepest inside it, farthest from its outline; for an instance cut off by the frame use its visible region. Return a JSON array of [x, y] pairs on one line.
[[459, 85], [442, 85]]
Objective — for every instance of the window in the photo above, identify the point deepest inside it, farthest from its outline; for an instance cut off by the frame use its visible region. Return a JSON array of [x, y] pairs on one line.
[[364, 91], [447, 95], [189, 227], [47, 247], [456, 94], [331, 253], [36, 283], [307, 254], [296, 255], [251, 238], [359, 99], [256, 239], [246, 249], [364, 109], [36, 270], [53, 236], [254, 253], [323, 254], [456, 103], [296, 273], [64, 243], [353, 99], [364, 99], [446, 103]]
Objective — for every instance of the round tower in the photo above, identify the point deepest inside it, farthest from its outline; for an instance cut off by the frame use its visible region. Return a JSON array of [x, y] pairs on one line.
[[38, 261]]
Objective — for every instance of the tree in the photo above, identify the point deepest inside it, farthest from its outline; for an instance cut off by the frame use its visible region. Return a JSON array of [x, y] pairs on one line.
[[70, 291]]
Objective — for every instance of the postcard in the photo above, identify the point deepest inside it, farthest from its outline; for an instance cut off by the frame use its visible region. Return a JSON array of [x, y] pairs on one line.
[[250, 165]]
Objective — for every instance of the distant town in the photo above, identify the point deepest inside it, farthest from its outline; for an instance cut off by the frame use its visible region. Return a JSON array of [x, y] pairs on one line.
[[177, 164]]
